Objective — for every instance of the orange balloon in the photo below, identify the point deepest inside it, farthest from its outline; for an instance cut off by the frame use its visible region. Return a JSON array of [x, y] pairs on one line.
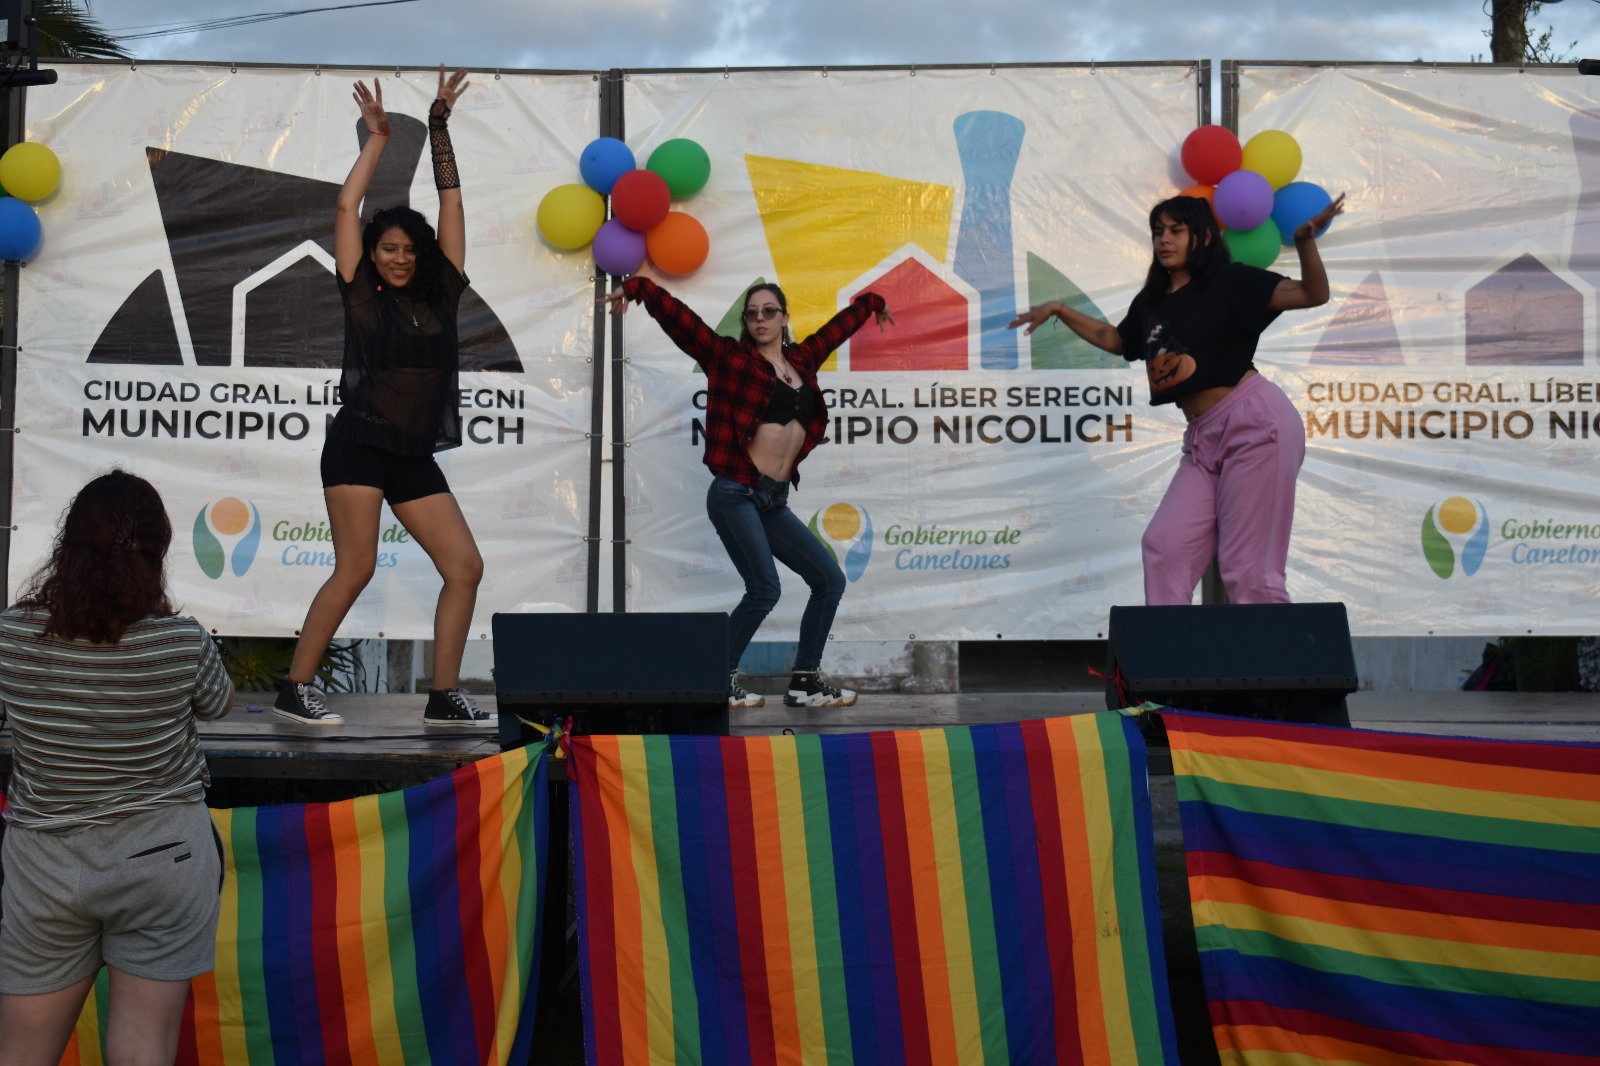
[[1208, 193], [678, 245]]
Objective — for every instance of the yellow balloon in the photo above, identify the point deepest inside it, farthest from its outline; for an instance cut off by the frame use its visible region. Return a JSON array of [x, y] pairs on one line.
[[1274, 155], [570, 216], [29, 171]]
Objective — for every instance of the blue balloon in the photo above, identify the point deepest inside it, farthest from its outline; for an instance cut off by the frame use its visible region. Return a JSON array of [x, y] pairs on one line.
[[20, 232], [1295, 203], [604, 161]]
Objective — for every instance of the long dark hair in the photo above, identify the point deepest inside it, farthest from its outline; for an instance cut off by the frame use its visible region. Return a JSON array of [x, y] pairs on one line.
[[1206, 256], [777, 294], [107, 569], [428, 280]]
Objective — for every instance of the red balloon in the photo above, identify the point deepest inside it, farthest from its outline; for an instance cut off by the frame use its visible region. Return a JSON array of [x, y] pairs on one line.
[[679, 245], [640, 199], [1211, 153]]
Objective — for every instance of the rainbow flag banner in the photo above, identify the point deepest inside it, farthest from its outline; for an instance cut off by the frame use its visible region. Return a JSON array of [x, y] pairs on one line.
[[968, 895], [1364, 897], [397, 928]]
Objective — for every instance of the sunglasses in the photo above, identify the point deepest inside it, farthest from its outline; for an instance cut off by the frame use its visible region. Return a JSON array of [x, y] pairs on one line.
[[752, 314]]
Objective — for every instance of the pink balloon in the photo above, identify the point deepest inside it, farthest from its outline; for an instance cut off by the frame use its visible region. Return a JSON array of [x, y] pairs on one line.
[[1243, 200]]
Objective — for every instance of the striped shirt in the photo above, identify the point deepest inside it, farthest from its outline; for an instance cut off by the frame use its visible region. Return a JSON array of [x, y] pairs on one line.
[[102, 731]]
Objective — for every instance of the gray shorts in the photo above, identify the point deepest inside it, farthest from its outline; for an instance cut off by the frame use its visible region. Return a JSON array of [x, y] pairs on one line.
[[140, 894]]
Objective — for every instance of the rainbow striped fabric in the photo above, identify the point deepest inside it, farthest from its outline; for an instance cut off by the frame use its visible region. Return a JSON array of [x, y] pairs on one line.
[[396, 928], [970, 895], [1384, 898]]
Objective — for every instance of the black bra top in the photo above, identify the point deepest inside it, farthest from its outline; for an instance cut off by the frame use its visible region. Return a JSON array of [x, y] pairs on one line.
[[789, 403]]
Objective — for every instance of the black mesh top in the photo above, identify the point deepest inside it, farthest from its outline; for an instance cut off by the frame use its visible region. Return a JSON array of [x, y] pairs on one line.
[[401, 374]]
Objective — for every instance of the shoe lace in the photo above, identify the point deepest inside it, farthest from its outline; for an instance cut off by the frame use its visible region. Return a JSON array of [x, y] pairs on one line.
[[463, 703], [311, 698], [818, 683]]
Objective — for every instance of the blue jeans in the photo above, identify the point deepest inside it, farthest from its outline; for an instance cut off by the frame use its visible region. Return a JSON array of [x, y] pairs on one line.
[[757, 528]]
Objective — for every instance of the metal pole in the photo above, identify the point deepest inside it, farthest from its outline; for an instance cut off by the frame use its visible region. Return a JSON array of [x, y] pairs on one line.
[[616, 126], [16, 126]]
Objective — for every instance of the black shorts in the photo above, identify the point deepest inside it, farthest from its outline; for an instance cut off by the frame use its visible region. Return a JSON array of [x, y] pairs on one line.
[[402, 478]]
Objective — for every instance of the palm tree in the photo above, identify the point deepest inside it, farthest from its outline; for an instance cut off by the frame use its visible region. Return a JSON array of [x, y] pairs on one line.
[[68, 31]]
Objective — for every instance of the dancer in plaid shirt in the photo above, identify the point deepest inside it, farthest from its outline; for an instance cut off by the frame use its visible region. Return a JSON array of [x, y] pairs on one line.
[[764, 414]]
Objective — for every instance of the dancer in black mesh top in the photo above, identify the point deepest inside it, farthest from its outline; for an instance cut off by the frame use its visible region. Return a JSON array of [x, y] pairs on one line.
[[400, 285]]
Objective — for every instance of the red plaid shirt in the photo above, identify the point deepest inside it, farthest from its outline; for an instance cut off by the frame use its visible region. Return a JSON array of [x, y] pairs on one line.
[[739, 380]]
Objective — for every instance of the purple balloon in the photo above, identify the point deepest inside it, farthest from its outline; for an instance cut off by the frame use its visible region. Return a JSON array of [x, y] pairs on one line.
[[618, 249], [1243, 200]]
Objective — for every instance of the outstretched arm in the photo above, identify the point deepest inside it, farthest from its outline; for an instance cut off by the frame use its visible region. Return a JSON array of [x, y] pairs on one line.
[[1311, 290], [841, 327], [1102, 335], [452, 217], [347, 215], [681, 325]]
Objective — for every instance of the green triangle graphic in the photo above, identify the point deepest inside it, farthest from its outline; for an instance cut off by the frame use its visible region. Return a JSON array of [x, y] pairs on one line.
[[1054, 346]]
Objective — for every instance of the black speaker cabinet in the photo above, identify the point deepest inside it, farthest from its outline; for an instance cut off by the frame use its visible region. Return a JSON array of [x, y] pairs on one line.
[[611, 673], [1291, 662]]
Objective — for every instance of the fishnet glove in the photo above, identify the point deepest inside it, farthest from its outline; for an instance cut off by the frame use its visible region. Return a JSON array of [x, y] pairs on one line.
[[445, 175]]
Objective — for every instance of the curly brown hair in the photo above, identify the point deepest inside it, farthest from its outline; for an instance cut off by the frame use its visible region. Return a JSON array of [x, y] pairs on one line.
[[107, 569]]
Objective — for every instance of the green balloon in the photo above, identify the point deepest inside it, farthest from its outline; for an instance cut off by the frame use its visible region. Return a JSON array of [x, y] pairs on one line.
[[1257, 247], [682, 164]]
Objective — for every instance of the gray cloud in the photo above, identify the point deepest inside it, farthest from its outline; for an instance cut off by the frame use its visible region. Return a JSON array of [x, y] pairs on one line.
[[514, 34]]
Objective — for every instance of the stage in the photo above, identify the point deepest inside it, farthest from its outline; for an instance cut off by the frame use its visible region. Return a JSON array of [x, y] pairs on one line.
[[383, 738]]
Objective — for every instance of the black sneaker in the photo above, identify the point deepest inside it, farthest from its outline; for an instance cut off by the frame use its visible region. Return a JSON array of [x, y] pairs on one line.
[[738, 696], [303, 703], [453, 707], [810, 688]]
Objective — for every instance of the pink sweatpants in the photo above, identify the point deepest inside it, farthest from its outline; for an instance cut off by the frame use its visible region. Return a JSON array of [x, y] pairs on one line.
[[1232, 498]]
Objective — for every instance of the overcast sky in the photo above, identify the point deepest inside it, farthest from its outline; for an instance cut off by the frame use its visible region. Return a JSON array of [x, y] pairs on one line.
[[528, 34]]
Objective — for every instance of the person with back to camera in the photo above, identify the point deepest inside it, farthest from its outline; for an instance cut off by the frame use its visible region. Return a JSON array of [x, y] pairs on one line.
[[110, 856], [764, 415], [1196, 324], [400, 286]]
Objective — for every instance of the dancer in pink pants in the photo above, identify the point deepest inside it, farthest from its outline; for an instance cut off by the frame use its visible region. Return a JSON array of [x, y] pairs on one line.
[[1196, 323]]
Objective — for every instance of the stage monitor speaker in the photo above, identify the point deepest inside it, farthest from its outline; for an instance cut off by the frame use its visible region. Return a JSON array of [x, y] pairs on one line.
[[611, 673], [1291, 662]]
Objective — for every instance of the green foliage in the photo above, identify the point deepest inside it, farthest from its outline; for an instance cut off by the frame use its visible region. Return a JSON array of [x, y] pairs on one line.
[[67, 31], [259, 664]]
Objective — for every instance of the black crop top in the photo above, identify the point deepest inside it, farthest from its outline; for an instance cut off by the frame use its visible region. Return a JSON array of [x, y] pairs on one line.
[[789, 403]]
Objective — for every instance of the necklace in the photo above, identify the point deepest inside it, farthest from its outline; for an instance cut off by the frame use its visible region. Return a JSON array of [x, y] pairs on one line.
[[411, 314]]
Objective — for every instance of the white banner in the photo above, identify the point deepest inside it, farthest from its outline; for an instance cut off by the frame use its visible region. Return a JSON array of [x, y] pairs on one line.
[[974, 486], [1449, 387], [181, 320]]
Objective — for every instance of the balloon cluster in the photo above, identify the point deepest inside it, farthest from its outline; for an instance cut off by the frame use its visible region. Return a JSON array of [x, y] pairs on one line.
[[28, 172], [1252, 189], [642, 221]]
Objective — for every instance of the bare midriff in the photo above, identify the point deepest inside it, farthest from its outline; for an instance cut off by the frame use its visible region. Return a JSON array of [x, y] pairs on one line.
[[1198, 403], [775, 448]]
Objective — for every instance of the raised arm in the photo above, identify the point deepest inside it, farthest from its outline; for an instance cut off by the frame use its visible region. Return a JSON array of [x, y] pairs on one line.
[[1102, 335], [446, 178], [842, 326], [1311, 290], [677, 320], [347, 215]]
